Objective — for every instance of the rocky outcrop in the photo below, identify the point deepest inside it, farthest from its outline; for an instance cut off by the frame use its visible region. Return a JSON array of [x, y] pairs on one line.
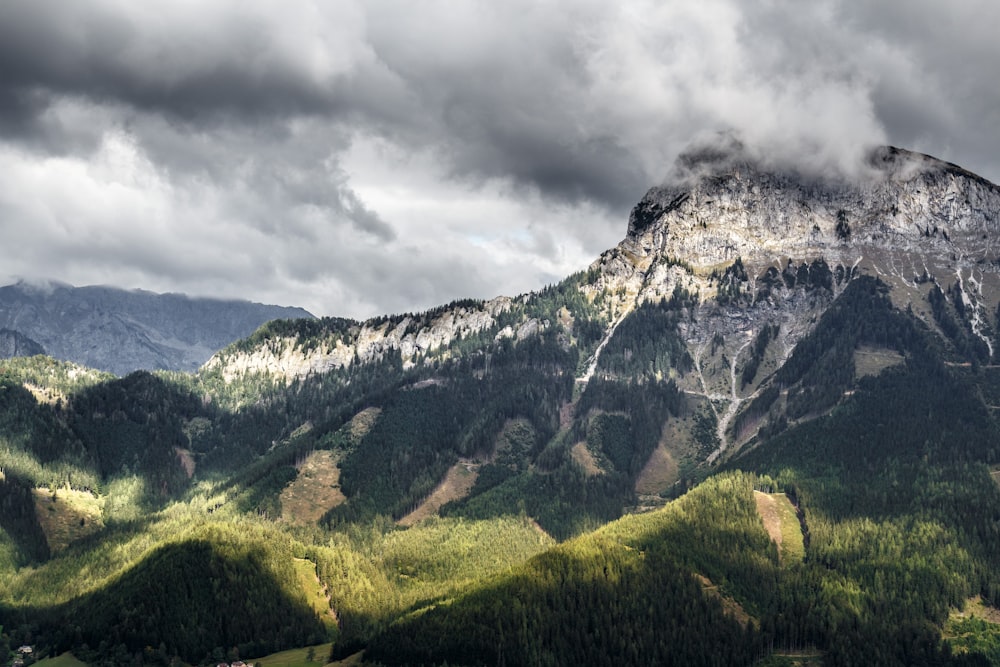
[[755, 246], [909, 202], [16, 344], [121, 331], [411, 336], [912, 218]]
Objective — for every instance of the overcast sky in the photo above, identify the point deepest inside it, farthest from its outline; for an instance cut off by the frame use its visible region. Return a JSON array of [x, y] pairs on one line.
[[365, 157]]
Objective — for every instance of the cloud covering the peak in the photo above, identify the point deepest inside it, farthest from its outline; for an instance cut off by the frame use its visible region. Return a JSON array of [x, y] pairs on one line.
[[359, 157]]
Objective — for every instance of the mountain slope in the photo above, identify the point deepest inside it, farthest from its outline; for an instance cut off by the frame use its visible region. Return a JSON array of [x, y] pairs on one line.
[[898, 511], [756, 330], [719, 277], [16, 344], [121, 331]]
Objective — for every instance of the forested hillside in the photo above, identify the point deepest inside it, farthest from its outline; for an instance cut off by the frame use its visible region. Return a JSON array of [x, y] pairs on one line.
[[668, 458], [890, 474]]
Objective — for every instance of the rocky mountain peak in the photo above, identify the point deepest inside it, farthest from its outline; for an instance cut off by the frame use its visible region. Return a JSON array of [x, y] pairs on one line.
[[723, 205], [753, 246]]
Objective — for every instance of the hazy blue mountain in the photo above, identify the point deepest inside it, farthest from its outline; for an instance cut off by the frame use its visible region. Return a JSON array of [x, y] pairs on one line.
[[121, 331]]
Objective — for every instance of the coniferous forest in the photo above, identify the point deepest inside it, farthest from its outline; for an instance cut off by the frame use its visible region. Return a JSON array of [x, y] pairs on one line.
[[168, 518]]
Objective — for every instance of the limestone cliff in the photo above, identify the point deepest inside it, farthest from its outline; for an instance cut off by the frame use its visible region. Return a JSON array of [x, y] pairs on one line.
[[292, 354], [908, 202], [758, 246], [911, 220]]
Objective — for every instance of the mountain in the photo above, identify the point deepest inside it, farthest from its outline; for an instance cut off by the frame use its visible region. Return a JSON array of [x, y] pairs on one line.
[[754, 248], [16, 344], [763, 429], [121, 331]]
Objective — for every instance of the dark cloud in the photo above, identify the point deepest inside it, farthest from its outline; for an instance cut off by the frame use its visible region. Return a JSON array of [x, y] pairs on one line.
[[358, 157], [169, 61], [932, 67]]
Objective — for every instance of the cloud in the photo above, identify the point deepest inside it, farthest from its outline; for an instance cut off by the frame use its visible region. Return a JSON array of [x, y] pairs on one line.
[[361, 157]]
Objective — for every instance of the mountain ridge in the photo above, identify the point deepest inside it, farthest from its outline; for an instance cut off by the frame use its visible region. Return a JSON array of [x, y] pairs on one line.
[[905, 220], [120, 331], [758, 246]]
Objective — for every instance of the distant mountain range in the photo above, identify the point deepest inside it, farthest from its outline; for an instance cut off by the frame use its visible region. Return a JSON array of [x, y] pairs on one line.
[[121, 331]]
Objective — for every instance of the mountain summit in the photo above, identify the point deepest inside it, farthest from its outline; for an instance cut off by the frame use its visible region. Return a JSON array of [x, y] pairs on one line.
[[747, 239], [733, 208], [914, 220]]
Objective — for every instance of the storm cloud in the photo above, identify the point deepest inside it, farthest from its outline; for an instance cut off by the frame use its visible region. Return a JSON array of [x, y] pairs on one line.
[[360, 157]]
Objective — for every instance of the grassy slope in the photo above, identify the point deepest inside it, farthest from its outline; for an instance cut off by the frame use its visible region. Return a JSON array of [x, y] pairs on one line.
[[67, 515], [298, 657], [66, 659], [782, 524]]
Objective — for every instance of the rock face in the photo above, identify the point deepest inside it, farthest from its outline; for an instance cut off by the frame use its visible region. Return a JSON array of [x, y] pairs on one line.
[[16, 344], [913, 220], [344, 343], [122, 331], [909, 202], [761, 248], [756, 246]]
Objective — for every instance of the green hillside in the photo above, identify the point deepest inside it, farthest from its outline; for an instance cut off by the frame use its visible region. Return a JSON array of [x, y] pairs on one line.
[[190, 548]]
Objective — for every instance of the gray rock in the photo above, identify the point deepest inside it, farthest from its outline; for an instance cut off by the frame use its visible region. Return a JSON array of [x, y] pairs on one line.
[[16, 344], [913, 218]]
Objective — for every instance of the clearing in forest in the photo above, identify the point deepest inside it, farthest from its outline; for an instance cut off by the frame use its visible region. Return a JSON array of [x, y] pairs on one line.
[[974, 629], [809, 657], [585, 459], [314, 491], [975, 607], [731, 607], [457, 484], [66, 659], [315, 591], [870, 361], [309, 656], [782, 524], [67, 515], [362, 422], [659, 473]]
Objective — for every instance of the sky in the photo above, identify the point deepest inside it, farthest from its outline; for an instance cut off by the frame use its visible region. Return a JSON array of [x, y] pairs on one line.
[[364, 157]]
